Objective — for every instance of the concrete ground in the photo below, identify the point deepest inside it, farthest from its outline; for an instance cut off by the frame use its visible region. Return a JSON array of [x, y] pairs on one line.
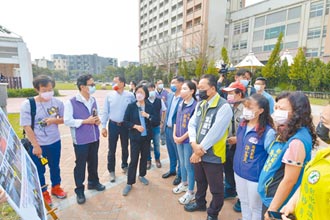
[[155, 201]]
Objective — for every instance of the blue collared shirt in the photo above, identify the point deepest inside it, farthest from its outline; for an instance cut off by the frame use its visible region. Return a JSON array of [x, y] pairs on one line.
[[115, 105]]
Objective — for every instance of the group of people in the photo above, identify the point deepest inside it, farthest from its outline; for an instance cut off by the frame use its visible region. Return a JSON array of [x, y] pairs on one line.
[[232, 138]]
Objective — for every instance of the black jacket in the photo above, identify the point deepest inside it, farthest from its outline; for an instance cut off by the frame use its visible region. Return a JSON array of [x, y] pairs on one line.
[[132, 118]]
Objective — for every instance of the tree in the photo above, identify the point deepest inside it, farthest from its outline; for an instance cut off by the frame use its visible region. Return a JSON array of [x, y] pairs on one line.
[[269, 70], [199, 70], [183, 69], [224, 55], [298, 73], [315, 69], [211, 69]]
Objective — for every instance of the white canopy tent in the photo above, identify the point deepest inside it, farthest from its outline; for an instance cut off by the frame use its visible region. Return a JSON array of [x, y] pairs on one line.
[[287, 55], [250, 61]]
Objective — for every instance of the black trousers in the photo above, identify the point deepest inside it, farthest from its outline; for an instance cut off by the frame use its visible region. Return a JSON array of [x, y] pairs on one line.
[[115, 131], [209, 174], [138, 147], [230, 185], [86, 154]]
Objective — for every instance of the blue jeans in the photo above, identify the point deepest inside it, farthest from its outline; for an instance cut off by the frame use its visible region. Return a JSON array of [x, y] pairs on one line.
[[187, 169], [172, 151], [156, 140], [53, 153]]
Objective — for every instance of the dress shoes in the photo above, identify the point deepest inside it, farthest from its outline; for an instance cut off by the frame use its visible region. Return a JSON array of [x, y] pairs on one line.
[[192, 207], [97, 187], [177, 181], [211, 217], [81, 199], [158, 164], [168, 174]]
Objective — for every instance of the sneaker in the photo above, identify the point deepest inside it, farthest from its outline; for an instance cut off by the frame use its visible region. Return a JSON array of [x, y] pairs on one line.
[[143, 180], [148, 165], [47, 198], [186, 198], [58, 192], [237, 206], [180, 188], [81, 199], [127, 189], [112, 177]]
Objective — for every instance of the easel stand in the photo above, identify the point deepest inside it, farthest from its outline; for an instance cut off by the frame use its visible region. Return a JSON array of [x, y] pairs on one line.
[[50, 210]]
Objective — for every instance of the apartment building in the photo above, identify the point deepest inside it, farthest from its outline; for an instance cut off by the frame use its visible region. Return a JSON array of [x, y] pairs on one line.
[[175, 29], [82, 64], [304, 23], [44, 63], [15, 58]]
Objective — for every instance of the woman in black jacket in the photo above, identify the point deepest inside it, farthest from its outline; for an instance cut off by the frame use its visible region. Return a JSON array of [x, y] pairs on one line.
[[139, 118]]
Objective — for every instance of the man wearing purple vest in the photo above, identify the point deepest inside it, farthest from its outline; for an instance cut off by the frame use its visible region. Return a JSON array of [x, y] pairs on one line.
[[81, 115]]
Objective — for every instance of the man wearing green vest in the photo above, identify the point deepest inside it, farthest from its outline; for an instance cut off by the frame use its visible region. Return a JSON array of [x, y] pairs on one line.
[[208, 131]]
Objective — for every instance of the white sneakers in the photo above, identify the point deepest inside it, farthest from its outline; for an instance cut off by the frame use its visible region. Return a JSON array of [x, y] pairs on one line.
[[180, 188], [186, 198]]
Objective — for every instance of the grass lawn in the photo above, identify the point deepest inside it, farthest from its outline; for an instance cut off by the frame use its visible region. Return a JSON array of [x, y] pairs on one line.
[[73, 86], [315, 101], [14, 121]]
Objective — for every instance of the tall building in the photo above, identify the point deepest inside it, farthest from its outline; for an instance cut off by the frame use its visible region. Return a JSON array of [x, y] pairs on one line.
[[304, 23], [126, 63], [175, 29], [44, 63], [82, 64], [15, 58]]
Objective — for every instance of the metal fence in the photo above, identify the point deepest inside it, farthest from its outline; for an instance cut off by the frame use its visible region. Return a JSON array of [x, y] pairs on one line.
[[13, 82], [318, 95]]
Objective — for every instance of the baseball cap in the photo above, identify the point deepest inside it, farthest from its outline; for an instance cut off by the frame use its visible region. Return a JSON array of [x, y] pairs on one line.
[[233, 86]]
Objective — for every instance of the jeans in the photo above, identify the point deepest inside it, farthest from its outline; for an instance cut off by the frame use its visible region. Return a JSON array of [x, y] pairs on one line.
[[209, 174], [53, 153], [251, 203], [114, 132], [172, 151], [156, 140], [230, 186], [138, 147], [187, 169], [86, 154]]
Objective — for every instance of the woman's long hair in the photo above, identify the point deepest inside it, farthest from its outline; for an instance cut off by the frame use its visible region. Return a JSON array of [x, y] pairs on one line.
[[265, 117], [301, 115]]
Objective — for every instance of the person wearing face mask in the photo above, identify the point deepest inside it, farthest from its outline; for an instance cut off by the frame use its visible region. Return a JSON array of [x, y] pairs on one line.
[[162, 94], [208, 131], [180, 135], [160, 110], [139, 118], [81, 115], [173, 101], [254, 135], [115, 104], [311, 200], [244, 76], [235, 95], [289, 153], [45, 135], [260, 85]]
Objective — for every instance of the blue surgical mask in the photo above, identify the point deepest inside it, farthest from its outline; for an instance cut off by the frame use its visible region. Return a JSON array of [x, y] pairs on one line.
[[173, 88], [152, 94], [244, 82], [92, 89]]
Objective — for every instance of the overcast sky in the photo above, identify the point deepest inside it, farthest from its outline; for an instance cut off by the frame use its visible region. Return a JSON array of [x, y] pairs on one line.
[[106, 27]]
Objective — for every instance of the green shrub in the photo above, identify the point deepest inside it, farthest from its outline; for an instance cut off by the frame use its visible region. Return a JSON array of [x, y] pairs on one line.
[[14, 93]]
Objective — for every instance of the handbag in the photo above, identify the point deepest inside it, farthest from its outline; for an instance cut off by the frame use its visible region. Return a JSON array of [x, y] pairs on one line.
[[25, 141]]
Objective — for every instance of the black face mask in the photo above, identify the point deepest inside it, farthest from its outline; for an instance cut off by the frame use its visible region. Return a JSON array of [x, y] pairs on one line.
[[203, 94], [323, 133]]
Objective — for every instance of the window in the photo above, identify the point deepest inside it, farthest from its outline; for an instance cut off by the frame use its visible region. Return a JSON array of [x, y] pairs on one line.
[[292, 29], [269, 47], [294, 12], [314, 33], [190, 11], [173, 19], [243, 44], [166, 23], [258, 35], [165, 12], [236, 46], [274, 32], [327, 7], [290, 45], [237, 28], [179, 28], [189, 24], [256, 49], [198, 7], [312, 52], [324, 34], [276, 17], [180, 15], [161, 25], [173, 7], [197, 21], [245, 27], [259, 22], [173, 30], [316, 9]]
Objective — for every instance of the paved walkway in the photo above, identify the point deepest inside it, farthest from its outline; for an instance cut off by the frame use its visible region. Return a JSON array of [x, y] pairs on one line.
[[155, 201]]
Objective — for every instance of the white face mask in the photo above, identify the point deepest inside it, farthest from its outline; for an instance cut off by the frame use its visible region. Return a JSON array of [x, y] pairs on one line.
[[47, 95], [248, 114], [280, 117], [152, 94], [257, 87], [160, 86]]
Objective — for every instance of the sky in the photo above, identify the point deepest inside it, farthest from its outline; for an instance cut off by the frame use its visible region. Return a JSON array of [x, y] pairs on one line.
[[109, 28]]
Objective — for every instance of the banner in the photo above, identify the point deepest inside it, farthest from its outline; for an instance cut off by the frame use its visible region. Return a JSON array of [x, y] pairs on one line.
[[18, 175]]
